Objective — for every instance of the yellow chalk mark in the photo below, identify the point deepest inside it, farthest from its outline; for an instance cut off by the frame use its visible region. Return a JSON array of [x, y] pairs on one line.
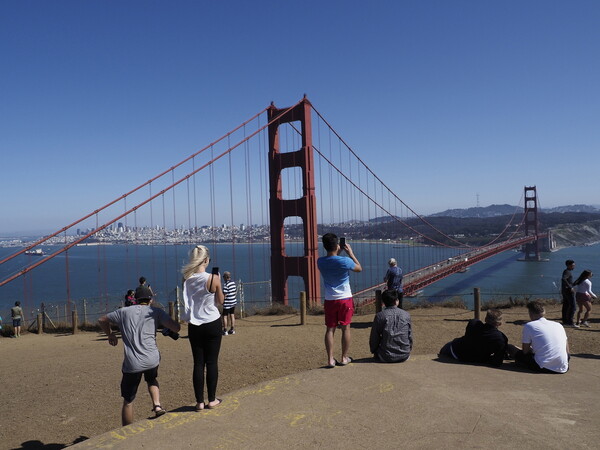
[[176, 419], [308, 420], [381, 388]]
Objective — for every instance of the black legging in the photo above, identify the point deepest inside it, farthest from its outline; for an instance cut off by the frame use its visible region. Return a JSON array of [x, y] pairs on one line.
[[205, 341]]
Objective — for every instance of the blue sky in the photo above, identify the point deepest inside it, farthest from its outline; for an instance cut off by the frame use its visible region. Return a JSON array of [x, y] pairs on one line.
[[445, 100]]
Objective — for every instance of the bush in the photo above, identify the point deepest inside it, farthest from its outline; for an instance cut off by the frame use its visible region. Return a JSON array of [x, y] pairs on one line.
[[276, 309]]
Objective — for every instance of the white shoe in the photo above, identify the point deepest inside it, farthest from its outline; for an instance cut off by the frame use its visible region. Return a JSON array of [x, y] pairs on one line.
[[576, 325], [586, 324], [224, 332]]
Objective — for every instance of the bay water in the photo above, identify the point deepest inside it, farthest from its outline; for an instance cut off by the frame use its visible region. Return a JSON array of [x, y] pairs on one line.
[[102, 274]]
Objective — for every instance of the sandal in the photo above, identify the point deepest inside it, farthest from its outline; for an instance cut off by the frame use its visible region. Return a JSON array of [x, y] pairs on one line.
[[208, 405], [158, 410], [199, 406]]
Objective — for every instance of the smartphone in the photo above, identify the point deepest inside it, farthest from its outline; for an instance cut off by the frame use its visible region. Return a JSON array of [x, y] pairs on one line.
[[215, 271], [342, 242]]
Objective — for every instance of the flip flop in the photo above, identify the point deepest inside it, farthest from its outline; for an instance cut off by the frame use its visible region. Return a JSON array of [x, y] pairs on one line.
[[198, 407], [158, 411], [214, 406], [345, 363], [331, 366]]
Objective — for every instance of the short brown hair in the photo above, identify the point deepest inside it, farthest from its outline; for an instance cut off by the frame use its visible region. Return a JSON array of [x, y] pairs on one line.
[[493, 317], [536, 308]]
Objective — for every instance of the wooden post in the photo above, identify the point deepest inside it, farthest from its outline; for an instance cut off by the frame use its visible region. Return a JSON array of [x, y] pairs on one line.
[[43, 308], [303, 308], [476, 304], [74, 320], [84, 312], [39, 323], [171, 310], [378, 300]]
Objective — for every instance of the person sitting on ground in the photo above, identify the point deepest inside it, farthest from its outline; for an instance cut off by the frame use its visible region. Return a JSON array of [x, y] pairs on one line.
[[482, 343], [545, 346], [138, 325], [391, 337]]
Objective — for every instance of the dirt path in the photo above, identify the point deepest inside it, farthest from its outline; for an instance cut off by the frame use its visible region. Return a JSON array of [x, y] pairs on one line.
[[57, 389]]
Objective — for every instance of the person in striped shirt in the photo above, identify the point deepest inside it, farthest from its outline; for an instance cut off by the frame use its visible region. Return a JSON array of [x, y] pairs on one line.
[[230, 293]]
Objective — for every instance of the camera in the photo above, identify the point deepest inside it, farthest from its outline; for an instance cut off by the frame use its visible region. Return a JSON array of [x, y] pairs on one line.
[[215, 271], [342, 242], [167, 332]]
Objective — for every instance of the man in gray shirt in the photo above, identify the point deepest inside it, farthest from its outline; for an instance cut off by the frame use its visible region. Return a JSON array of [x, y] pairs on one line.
[[391, 337], [138, 324]]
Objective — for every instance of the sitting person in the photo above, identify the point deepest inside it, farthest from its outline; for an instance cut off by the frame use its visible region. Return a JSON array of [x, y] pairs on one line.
[[482, 342], [545, 346], [391, 334]]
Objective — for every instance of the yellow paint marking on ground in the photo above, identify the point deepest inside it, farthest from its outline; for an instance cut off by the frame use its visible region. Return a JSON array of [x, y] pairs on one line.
[[381, 387], [308, 420], [176, 419]]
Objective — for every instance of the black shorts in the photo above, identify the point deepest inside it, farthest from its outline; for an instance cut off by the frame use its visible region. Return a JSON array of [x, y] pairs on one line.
[[227, 311], [131, 381]]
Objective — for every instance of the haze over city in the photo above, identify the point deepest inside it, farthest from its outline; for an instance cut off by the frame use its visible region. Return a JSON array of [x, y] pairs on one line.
[[450, 103]]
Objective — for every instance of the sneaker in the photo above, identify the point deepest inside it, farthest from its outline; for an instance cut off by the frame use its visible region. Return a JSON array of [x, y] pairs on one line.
[[232, 331], [586, 324], [224, 332], [576, 325]]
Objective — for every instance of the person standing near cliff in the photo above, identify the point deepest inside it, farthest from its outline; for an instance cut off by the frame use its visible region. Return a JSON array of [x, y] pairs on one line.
[[584, 296], [568, 297], [339, 304]]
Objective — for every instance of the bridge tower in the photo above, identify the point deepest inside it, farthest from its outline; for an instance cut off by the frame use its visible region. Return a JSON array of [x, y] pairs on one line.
[[531, 249], [305, 207]]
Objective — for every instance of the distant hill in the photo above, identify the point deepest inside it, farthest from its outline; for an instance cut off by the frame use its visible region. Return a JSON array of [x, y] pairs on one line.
[[505, 210]]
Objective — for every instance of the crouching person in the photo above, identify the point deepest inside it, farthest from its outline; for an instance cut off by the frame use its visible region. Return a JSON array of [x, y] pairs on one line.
[[391, 337], [138, 324]]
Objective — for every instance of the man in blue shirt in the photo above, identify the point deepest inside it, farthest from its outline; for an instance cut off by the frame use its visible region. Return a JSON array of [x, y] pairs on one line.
[[393, 278], [339, 305]]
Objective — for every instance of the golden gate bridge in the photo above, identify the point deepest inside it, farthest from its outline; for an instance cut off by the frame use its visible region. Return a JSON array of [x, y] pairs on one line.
[[281, 178]]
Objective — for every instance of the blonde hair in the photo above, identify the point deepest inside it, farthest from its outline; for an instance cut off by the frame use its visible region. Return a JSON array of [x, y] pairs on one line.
[[198, 255]]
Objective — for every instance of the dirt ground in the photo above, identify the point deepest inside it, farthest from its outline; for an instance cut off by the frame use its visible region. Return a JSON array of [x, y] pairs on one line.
[[58, 389]]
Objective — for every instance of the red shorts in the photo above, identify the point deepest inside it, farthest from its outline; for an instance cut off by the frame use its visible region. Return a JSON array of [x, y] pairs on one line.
[[338, 312]]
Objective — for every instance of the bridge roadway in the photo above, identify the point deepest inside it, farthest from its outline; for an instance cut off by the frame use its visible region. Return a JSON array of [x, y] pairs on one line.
[[423, 403], [418, 279]]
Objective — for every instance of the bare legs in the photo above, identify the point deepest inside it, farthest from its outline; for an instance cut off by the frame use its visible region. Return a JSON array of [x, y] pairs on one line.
[[329, 344], [584, 305]]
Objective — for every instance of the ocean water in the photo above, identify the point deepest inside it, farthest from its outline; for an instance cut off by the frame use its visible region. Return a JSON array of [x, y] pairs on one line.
[[102, 274]]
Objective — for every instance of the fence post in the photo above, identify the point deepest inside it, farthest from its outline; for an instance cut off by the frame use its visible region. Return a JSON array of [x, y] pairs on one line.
[[39, 323], [378, 300], [84, 312], [302, 308], [171, 310], [476, 304], [74, 320], [43, 308], [177, 300], [241, 291]]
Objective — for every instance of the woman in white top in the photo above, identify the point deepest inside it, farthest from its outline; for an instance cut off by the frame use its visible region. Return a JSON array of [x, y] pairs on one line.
[[584, 296], [202, 294]]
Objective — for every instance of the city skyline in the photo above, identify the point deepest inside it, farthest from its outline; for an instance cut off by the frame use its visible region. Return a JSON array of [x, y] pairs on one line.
[[451, 104]]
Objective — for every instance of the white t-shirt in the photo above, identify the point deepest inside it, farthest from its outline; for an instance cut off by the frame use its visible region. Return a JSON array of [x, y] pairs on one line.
[[549, 344]]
